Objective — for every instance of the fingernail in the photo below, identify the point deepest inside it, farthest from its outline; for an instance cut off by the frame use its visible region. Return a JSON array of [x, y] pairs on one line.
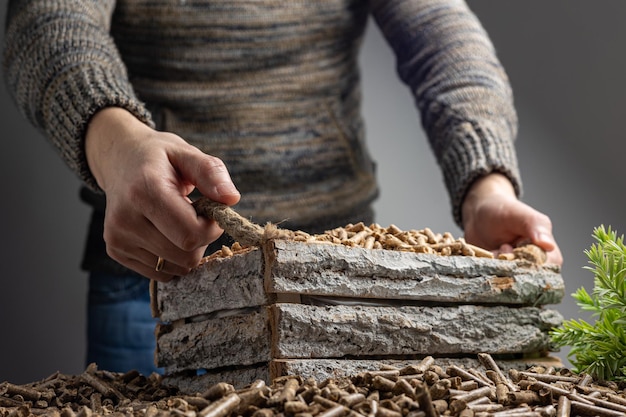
[[226, 188]]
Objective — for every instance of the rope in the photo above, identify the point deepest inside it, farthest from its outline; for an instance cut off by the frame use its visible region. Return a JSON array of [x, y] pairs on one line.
[[241, 229]]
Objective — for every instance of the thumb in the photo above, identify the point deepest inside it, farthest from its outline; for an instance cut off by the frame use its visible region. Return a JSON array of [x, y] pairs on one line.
[[208, 174], [539, 230], [528, 225], [543, 238]]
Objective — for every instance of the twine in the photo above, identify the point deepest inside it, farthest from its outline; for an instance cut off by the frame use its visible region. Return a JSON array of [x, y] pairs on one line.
[[241, 229]]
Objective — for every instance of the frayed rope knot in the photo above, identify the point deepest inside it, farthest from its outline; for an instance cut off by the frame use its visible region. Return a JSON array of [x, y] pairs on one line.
[[241, 229]]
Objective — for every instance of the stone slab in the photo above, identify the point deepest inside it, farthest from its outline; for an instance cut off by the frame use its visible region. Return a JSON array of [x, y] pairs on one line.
[[290, 267], [342, 271], [323, 369], [239, 377], [299, 331], [243, 338], [218, 284], [307, 331]]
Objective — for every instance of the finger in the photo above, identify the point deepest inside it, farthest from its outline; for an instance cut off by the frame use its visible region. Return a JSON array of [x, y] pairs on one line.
[[161, 263], [171, 219], [539, 229], [145, 270], [171, 211], [505, 248], [542, 237], [153, 241], [555, 257], [539, 232], [150, 265], [207, 173], [531, 226], [139, 240], [177, 229]]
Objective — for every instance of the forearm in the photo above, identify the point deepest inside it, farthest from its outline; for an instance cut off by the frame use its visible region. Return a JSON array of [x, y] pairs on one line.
[[61, 67], [111, 132], [460, 88]]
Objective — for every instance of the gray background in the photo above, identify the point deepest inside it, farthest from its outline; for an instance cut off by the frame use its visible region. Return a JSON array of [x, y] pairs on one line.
[[567, 65]]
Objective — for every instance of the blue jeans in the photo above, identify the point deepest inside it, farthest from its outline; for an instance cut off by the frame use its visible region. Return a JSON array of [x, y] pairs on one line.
[[120, 326]]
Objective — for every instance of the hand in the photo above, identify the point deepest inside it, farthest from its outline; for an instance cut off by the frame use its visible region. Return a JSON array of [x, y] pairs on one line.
[[493, 218], [147, 176]]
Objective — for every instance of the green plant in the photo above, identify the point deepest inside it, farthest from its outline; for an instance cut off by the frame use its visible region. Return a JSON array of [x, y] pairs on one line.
[[600, 348]]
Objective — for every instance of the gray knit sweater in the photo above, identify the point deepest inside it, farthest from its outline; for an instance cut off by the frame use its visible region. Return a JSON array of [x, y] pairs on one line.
[[270, 86]]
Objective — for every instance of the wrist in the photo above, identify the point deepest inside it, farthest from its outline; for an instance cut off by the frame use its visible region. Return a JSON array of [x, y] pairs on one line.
[[107, 129]]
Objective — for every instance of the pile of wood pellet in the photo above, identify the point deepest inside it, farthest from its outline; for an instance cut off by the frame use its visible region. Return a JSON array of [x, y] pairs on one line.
[[375, 236], [420, 390]]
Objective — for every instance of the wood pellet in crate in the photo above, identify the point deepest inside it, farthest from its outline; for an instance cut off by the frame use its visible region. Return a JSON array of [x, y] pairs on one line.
[[255, 277], [298, 300]]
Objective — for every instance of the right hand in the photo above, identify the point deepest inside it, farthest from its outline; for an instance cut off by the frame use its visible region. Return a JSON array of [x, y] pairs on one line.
[[147, 176], [494, 219]]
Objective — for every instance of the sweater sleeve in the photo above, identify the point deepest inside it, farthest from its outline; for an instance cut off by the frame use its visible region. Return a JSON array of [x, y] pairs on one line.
[[460, 88], [61, 67]]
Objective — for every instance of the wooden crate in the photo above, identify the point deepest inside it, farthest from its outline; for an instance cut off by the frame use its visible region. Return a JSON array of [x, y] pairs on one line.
[[318, 309]]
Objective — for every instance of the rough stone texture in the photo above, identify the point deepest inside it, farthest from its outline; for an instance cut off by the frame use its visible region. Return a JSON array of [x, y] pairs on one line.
[[298, 331], [241, 317], [323, 369], [239, 377], [242, 339], [306, 331], [218, 284], [340, 271], [336, 270]]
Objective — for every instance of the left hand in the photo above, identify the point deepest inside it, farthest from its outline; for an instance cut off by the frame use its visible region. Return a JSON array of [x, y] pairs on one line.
[[495, 219]]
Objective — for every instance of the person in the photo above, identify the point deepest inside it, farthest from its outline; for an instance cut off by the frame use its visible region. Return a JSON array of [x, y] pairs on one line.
[[253, 104]]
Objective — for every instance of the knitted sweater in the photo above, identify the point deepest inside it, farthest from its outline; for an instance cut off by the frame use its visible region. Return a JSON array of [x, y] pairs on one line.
[[271, 87]]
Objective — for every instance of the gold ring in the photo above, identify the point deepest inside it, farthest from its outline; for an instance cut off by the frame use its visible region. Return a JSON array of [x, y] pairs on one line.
[[159, 264]]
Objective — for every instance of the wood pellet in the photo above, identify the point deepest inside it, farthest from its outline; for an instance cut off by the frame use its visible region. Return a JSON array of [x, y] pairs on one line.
[[411, 391], [375, 236]]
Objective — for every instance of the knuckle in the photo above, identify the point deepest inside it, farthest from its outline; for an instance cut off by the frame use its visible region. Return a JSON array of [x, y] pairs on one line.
[[543, 220], [142, 194], [191, 259], [113, 220], [547, 221], [190, 241], [117, 255], [111, 240], [213, 164], [189, 264]]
